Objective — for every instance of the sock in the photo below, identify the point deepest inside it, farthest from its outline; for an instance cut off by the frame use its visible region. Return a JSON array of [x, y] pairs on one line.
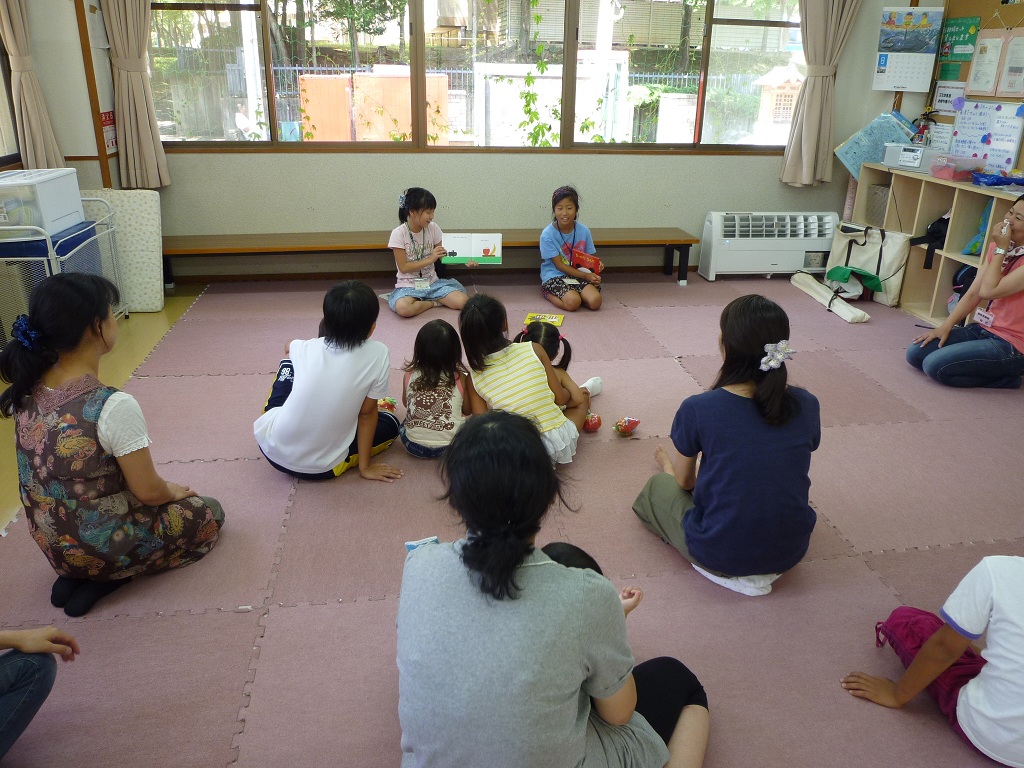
[[593, 385], [89, 593], [752, 586], [62, 590]]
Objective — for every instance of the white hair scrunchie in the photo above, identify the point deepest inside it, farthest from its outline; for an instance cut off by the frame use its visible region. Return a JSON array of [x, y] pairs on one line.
[[777, 353]]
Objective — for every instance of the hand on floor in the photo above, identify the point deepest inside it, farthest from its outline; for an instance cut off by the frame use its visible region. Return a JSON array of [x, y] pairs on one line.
[[880, 690], [383, 472]]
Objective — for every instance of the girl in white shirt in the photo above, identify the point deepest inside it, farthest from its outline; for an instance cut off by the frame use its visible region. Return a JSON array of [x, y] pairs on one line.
[[416, 243]]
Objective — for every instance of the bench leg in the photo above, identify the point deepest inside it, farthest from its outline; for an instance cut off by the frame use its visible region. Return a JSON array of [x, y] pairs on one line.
[[670, 253], [684, 263]]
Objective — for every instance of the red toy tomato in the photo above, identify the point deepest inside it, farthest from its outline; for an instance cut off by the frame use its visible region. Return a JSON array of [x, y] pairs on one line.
[[593, 423]]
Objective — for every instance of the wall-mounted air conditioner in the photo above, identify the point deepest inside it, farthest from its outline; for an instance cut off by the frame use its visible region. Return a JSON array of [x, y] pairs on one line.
[[765, 243]]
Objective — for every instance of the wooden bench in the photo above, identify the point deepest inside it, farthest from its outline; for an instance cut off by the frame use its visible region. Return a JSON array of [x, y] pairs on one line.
[[672, 239]]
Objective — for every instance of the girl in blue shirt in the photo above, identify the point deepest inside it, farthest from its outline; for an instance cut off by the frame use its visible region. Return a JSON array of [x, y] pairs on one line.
[[564, 285], [745, 518]]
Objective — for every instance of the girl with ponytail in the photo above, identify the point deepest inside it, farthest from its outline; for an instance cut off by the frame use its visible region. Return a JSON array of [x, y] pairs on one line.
[[507, 658], [745, 518], [94, 501]]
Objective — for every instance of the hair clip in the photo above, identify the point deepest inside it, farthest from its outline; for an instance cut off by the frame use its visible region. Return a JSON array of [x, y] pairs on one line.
[[561, 337], [24, 333], [525, 332], [401, 199], [776, 354]]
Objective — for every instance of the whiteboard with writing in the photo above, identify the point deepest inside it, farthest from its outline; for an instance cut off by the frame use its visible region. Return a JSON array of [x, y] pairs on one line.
[[989, 130]]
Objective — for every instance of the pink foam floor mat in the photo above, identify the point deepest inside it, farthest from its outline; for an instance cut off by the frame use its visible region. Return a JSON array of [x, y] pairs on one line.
[[235, 574], [345, 537], [656, 290], [30, 577], [163, 692], [215, 347], [897, 486], [608, 334], [694, 330], [924, 578], [760, 715], [647, 389], [939, 402], [202, 417], [224, 301], [325, 690], [846, 395]]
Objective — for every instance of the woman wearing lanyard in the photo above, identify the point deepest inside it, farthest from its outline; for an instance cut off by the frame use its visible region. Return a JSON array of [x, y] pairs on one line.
[[990, 351]]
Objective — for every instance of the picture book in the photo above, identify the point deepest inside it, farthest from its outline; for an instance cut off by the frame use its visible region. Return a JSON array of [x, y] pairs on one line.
[[542, 317], [581, 259], [483, 248]]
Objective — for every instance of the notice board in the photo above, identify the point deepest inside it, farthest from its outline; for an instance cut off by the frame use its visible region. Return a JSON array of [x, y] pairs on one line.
[[990, 130]]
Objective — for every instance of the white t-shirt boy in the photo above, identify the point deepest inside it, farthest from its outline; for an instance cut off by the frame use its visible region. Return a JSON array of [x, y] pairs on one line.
[[990, 707], [312, 431]]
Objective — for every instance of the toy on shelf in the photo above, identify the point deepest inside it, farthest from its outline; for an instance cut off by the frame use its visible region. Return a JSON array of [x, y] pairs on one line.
[[592, 423], [626, 425], [387, 404]]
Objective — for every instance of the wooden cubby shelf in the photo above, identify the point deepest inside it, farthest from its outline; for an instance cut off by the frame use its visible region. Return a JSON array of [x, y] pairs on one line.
[[915, 200]]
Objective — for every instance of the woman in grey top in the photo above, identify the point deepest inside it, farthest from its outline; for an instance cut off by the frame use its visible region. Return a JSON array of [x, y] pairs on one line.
[[508, 659]]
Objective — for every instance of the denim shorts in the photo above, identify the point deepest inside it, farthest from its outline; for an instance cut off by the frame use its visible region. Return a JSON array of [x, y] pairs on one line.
[[434, 292], [420, 451]]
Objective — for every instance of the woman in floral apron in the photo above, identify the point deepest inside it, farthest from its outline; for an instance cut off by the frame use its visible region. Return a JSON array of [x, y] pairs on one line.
[[93, 499]]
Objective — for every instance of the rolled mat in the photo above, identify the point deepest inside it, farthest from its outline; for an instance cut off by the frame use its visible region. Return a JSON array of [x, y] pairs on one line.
[[823, 295]]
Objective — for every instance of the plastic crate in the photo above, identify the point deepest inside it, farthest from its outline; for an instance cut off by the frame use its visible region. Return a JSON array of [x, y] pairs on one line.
[[28, 255]]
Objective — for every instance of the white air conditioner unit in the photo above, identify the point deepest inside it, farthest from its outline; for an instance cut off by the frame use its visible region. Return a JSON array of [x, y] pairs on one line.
[[765, 243]]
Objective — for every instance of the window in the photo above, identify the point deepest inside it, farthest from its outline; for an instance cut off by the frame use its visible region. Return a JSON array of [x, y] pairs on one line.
[[482, 73]]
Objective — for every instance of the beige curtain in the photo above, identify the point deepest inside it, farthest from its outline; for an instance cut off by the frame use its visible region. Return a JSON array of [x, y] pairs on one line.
[[35, 133], [824, 26], [140, 153]]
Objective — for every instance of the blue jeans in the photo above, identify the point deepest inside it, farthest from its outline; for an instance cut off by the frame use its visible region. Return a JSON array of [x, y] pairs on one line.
[[972, 356], [25, 682], [420, 451]]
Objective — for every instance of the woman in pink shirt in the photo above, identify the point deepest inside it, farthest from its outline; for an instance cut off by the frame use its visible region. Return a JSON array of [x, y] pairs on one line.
[[990, 351]]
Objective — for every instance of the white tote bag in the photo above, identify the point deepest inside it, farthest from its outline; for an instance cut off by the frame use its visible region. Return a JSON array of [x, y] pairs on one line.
[[879, 252]]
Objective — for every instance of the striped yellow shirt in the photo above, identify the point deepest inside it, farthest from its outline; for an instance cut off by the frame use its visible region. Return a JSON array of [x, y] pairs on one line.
[[514, 380]]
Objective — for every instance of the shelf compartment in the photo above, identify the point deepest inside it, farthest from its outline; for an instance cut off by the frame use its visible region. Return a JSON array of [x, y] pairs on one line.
[[936, 201], [918, 283], [967, 209], [903, 204]]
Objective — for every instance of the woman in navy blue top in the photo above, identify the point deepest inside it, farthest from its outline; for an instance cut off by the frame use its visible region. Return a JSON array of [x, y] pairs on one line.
[[745, 518]]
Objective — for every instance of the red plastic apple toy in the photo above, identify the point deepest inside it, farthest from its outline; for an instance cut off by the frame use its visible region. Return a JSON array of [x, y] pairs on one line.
[[593, 423]]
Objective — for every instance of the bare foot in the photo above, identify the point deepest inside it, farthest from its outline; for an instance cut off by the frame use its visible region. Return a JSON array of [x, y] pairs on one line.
[[661, 456]]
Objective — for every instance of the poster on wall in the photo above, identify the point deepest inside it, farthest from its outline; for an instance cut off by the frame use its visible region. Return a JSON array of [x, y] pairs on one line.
[[94, 19], [985, 64], [1011, 73], [989, 130], [945, 94], [958, 38], [907, 44], [109, 131]]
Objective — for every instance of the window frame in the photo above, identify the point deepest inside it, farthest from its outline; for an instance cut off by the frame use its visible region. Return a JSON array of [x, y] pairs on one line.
[[417, 63]]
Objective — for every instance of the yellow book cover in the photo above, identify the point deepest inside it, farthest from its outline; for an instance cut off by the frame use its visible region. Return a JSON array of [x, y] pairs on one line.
[[543, 317]]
